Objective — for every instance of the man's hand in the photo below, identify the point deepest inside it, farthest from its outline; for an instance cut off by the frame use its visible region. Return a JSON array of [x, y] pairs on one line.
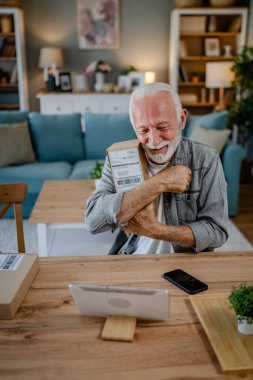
[[143, 223], [175, 179]]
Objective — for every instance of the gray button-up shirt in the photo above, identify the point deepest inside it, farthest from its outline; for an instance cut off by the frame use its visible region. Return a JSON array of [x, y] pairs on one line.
[[202, 207]]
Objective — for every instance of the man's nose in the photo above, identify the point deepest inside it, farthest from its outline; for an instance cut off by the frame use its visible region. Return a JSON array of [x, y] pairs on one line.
[[154, 137]]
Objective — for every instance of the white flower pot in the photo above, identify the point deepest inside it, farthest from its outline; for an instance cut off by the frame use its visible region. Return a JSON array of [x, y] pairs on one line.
[[100, 81], [245, 325]]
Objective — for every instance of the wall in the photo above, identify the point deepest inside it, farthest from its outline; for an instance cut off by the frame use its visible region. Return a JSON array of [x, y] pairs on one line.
[[144, 34]]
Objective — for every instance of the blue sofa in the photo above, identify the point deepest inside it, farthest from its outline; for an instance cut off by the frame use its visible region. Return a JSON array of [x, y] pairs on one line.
[[63, 151]]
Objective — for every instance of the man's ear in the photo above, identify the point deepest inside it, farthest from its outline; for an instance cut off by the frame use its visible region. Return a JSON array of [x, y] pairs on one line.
[[183, 118]]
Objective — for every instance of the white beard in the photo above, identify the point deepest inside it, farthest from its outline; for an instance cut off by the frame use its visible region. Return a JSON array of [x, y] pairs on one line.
[[162, 158]]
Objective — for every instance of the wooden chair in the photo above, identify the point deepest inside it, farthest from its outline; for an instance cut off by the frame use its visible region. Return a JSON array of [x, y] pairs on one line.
[[14, 193]]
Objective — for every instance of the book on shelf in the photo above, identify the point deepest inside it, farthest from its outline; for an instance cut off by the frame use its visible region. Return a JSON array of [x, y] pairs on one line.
[[7, 46], [14, 75], [235, 25], [183, 76], [183, 49]]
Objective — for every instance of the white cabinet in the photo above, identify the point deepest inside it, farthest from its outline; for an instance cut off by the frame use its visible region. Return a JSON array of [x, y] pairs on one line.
[[65, 103], [13, 75]]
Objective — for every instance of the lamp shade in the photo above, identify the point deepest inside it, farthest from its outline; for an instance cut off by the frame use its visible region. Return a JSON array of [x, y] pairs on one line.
[[219, 74], [50, 57], [149, 77]]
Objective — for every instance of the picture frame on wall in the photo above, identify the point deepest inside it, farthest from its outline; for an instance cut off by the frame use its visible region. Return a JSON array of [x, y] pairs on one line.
[[98, 24], [137, 79], [212, 47], [79, 81], [65, 81]]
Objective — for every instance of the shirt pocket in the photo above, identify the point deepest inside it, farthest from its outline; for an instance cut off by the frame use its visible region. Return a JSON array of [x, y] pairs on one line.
[[187, 206]]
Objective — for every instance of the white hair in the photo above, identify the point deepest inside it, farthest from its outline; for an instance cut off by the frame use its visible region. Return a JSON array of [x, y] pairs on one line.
[[148, 90]]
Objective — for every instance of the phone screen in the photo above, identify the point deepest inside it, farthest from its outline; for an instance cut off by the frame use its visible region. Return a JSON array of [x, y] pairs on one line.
[[185, 281]]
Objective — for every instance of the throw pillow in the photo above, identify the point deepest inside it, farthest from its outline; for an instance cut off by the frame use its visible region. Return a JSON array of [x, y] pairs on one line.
[[212, 137], [16, 146], [57, 137], [214, 120]]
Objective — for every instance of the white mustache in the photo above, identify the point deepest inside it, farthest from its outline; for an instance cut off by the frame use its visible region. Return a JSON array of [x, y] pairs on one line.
[[156, 147]]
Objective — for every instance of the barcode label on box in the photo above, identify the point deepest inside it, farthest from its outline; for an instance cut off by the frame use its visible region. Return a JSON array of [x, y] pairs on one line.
[[126, 169], [10, 262]]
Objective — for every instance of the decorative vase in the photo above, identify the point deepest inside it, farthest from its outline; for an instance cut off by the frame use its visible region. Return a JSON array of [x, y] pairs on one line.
[[100, 81], [245, 325]]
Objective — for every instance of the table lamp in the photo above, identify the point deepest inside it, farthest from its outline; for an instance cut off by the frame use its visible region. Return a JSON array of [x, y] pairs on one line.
[[149, 77], [219, 75], [51, 58]]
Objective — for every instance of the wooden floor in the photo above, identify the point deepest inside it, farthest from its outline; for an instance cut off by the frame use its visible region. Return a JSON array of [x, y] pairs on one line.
[[244, 219]]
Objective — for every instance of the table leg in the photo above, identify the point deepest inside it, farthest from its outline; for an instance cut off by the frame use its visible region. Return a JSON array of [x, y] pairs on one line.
[[42, 239]]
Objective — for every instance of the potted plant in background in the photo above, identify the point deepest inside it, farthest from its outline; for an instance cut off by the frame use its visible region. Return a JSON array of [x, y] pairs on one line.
[[241, 300], [96, 172], [98, 69], [241, 109]]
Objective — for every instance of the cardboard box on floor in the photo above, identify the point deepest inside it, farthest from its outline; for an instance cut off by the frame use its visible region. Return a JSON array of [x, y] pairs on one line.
[[128, 163], [17, 272]]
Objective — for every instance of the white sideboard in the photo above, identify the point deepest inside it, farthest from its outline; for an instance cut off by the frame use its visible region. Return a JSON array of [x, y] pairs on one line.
[[65, 103]]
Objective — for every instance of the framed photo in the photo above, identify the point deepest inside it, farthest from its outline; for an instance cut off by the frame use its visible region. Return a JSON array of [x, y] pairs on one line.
[[98, 24], [137, 78], [79, 81], [65, 82], [212, 47], [124, 82]]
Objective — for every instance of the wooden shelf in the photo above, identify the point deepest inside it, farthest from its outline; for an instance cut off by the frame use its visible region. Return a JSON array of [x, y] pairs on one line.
[[199, 104], [206, 58], [8, 58], [7, 34], [8, 85], [9, 107], [191, 84], [210, 34]]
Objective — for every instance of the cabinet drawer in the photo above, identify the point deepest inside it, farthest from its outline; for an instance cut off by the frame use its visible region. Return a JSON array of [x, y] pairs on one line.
[[115, 107], [86, 106], [51, 107]]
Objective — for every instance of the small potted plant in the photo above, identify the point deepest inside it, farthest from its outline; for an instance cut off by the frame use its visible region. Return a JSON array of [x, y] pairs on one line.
[[96, 172], [241, 300]]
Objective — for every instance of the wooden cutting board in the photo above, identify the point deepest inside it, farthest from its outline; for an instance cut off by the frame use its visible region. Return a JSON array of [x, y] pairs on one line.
[[233, 349]]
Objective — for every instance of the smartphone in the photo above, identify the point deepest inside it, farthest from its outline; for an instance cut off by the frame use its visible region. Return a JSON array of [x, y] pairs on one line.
[[185, 281]]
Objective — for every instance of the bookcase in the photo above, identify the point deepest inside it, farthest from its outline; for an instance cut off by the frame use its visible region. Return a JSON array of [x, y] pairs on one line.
[[199, 36], [13, 75]]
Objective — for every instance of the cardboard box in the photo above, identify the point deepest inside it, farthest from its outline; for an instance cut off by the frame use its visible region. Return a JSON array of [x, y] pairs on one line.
[[17, 272], [128, 163]]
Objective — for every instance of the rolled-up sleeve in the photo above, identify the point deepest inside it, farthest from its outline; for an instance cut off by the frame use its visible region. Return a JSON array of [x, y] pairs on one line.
[[210, 227], [104, 204]]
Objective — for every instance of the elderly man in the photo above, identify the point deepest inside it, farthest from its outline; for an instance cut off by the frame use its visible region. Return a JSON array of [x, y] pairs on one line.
[[186, 177]]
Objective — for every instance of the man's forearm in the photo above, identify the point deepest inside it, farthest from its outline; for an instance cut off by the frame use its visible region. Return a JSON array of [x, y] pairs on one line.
[[181, 235], [137, 198]]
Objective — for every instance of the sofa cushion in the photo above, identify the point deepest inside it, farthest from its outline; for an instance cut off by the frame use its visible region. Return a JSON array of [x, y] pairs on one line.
[[214, 120], [212, 137], [81, 169], [35, 174], [57, 137], [102, 130], [16, 146], [13, 116]]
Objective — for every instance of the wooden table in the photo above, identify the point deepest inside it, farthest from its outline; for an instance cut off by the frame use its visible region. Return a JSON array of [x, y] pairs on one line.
[[60, 204], [48, 339]]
